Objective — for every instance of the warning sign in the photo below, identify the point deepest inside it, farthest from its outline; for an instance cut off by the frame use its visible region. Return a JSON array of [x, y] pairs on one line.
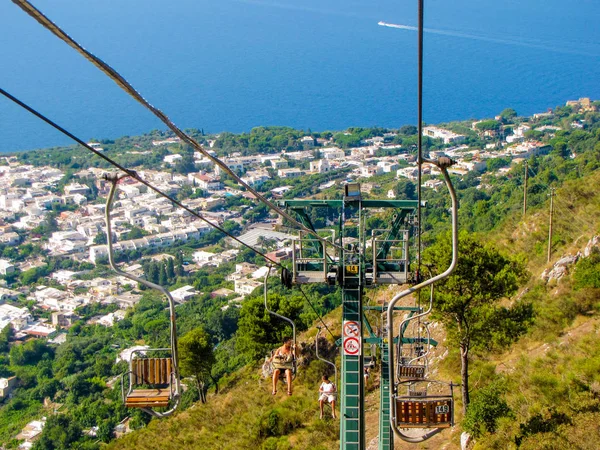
[[351, 329], [351, 346], [351, 338]]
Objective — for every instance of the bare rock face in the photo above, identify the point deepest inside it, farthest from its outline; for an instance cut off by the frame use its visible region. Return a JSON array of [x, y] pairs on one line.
[[560, 268], [593, 243]]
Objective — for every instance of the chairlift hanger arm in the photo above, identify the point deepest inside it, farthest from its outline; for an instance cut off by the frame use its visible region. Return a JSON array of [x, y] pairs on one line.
[[443, 164], [114, 179], [322, 359], [290, 321]]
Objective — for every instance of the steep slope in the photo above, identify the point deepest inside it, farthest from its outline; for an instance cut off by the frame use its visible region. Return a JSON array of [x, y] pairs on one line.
[[549, 378]]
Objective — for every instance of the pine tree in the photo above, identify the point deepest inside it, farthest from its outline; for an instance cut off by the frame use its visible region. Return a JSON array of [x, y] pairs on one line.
[[153, 273], [162, 276], [170, 269], [179, 264]]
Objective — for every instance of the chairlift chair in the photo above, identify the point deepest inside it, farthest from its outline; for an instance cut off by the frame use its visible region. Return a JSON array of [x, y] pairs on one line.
[[412, 361], [420, 407], [369, 361], [268, 367], [153, 382], [390, 262]]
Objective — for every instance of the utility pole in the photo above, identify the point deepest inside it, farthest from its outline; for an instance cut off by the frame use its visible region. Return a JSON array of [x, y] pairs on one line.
[[550, 230], [525, 193]]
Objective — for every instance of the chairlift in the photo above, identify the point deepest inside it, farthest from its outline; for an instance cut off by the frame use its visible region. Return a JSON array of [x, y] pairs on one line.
[[426, 404], [390, 262], [421, 406], [412, 361], [153, 382], [268, 367]]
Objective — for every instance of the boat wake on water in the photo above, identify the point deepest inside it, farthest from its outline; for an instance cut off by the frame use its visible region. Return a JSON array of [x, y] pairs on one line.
[[518, 42]]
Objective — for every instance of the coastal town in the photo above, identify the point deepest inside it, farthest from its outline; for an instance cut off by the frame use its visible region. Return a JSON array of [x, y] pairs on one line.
[[50, 215]]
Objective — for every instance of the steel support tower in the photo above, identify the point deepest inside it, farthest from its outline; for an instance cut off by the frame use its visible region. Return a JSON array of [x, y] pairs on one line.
[[353, 269]]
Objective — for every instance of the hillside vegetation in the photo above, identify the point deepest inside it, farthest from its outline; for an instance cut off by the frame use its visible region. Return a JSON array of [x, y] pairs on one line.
[[541, 393]]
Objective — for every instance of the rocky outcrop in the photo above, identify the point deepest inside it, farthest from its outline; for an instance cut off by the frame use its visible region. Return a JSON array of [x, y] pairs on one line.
[[593, 243], [561, 267]]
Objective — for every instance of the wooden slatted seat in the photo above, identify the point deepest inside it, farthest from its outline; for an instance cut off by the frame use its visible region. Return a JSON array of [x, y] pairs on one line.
[[148, 398], [155, 372], [436, 413]]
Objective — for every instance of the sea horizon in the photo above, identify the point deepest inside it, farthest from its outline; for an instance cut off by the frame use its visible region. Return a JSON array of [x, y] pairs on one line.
[[238, 64]]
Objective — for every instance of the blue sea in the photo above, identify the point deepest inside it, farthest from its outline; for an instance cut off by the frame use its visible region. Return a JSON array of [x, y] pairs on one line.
[[230, 65]]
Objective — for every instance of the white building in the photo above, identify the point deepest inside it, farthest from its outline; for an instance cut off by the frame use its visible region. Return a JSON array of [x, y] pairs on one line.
[[289, 173], [245, 286], [202, 257], [76, 188], [183, 294], [447, 136], [171, 159], [19, 318], [408, 172], [10, 238], [388, 166], [307, 141], [6, 267], [320, 166], [332, 153], [370, 171], [205, 182]]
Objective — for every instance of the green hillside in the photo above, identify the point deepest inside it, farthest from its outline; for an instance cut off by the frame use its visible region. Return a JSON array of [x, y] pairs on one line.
[[541, 392]]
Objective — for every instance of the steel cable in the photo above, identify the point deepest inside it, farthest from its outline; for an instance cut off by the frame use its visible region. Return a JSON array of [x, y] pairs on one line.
[[127, 87], [132, 173]]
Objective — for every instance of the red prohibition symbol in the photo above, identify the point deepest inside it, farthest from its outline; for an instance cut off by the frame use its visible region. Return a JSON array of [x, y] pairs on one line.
[[351, 346]]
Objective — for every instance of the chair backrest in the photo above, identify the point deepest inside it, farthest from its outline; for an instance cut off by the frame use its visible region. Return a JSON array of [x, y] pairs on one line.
[[416, 372], [424, 413], [153, 371]]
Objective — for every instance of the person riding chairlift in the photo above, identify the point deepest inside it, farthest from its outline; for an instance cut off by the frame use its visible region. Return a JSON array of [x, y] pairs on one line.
[[327, 392], [283, 360]]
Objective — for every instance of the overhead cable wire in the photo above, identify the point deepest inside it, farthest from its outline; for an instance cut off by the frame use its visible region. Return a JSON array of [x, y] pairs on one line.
[[319, 315], [565, 211], [419, 134], [129, 89], [132, 173]]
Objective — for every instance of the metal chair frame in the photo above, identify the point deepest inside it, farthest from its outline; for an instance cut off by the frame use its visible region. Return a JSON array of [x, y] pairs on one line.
[[290, 321], [442, 164], [175, 381]]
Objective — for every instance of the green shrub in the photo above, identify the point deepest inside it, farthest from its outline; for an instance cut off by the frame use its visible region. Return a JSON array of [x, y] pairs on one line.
[[276, 422], [486, 407], [273, 443]]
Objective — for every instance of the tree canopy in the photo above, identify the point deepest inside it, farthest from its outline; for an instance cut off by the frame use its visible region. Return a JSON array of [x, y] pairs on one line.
[[467, 301], [196, 358]]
